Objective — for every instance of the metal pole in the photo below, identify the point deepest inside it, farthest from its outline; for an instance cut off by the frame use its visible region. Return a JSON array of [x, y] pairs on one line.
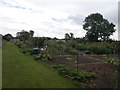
[[77, 61]]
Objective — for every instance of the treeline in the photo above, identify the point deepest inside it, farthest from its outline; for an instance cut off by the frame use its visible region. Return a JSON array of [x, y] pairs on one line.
[[96, 40], [22, 36], [64, 46]]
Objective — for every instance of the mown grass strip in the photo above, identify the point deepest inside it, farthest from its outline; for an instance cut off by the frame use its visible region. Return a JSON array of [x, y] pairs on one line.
[[20, 71]]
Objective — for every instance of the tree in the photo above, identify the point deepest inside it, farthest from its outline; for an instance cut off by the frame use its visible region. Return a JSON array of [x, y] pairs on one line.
[[7, 37], [55, 38], [98, 28], [23, 35], [31, 32], [69, 36], [18, 34]]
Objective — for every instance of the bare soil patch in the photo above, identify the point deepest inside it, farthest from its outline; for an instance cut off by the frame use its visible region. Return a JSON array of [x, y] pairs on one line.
[[105, 73]]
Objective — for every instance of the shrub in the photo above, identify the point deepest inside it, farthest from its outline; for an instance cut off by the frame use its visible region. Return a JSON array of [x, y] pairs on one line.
[[54, 49], [26, 51], [21, 44], [100, 47], [71, 51], [45, 56], [81, 47]]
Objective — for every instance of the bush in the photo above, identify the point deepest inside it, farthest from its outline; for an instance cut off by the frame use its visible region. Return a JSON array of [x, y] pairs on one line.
[[100, 47], [45, 56], [97, 49], [26, 51], [70, 51], [21, 44], [54, 49], [81, 47]]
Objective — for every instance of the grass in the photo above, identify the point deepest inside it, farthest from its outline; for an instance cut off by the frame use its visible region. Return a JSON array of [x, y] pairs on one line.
[[20, 71]]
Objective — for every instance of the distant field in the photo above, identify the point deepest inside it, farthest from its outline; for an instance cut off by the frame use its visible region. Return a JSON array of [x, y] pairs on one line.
[[20, 71]]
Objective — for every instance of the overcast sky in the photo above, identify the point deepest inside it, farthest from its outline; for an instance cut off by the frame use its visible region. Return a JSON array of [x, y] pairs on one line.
[[53, 18]]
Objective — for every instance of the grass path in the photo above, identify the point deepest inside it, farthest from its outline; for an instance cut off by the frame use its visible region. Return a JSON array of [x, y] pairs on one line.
[[20, 71]]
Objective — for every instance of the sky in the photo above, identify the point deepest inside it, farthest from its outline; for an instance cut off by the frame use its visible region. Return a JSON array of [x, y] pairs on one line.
[[54, 18]]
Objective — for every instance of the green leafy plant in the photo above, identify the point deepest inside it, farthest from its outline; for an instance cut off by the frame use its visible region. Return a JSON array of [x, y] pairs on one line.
[[71, 73], [71, 59], [45, 56], [114, 61]]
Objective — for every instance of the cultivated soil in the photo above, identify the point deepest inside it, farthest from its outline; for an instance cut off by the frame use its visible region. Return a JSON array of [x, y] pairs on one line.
[[105, 73]]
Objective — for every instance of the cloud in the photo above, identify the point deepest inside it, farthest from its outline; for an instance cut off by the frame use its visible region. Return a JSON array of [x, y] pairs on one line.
[[52, 19], [37, 2], [112, 15], [77, 19], [11, 4], [18, 6]]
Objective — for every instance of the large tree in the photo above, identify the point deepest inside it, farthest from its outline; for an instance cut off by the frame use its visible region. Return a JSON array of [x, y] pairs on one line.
[[97, 27]]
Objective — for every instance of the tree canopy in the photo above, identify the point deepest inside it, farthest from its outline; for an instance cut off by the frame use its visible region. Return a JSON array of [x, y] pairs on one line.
[[31, 32], [25, 35], [98, 28], [7, 37], [69, 36]]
